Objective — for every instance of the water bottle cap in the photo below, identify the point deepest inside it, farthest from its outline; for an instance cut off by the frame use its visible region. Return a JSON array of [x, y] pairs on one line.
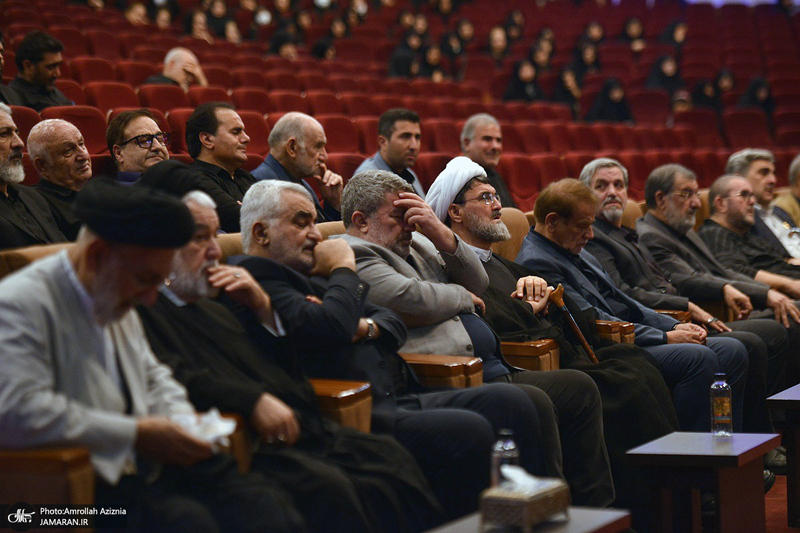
[[505, 432], [719, 376]]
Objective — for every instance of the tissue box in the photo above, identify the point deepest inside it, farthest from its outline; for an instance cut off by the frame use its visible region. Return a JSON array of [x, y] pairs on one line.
[[507, 506]]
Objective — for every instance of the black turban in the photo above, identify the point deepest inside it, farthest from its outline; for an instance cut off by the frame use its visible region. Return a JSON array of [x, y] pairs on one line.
[[134, 215]]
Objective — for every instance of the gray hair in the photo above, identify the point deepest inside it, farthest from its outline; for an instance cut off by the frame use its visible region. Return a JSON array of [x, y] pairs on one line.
[[592, 167], [290, 125], [366, 192], [5, 109], [264, 201], [720, 187], [663, 179], [794, 170], [199, 198], [739, 162], [479, 119], [175, 53], [39, 136]]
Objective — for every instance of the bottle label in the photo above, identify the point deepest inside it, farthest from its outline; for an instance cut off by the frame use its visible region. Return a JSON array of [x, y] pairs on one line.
[[722, 409]]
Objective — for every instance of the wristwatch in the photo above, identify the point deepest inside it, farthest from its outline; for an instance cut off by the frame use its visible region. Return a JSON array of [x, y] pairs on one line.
[[372, 329]]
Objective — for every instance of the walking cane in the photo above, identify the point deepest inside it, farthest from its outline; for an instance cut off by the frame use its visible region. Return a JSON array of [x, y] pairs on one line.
[[557, 297]]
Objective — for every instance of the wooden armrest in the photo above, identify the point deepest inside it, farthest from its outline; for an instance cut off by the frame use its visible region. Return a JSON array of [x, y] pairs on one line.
[[241, 443], [347, 402], [719, 309], [532, 355], [680, 316], [454, 371], [617, 331], [61, 476]]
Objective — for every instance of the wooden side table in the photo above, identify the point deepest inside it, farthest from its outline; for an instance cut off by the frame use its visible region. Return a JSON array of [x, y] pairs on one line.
[[579, 520], [689, 462], [789, 400]]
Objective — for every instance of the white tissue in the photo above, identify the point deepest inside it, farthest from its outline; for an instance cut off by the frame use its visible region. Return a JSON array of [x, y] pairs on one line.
[[210, 427], [518, 480]]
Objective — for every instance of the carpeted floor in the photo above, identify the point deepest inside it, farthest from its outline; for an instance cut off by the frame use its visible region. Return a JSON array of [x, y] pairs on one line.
[[776, 508]]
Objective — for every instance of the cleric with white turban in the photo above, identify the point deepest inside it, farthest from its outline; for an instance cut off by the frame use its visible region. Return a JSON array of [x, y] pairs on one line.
[[449, 183]]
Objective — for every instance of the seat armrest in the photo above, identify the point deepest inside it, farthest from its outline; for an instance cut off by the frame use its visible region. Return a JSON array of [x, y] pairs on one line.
[[347, 402], [454, 371], [541, 354], [617, 331], [56, 476], [680, 316]]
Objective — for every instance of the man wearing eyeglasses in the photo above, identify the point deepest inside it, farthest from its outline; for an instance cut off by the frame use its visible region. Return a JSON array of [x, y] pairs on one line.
[[136, 142], [666, 231], [60, 156], [727, 234]]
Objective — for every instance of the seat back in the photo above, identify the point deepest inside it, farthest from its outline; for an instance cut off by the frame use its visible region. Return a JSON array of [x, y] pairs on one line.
[[518, 226]]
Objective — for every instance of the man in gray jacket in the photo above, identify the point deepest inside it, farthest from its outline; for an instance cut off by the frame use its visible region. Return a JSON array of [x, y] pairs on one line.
[[433, 280]]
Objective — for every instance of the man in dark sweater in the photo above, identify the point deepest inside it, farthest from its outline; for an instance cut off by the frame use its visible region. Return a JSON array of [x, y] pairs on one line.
[[217, 142], [340, 479], [337, 334], [25, 217], [62, 160], [727, 233], [38, 59]]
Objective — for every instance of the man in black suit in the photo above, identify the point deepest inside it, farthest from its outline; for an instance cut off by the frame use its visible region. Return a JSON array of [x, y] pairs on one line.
[[335, 333], [60, 156], [635, 272], [25, 217]]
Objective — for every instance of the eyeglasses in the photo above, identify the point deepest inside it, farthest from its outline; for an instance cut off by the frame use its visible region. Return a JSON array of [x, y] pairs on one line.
[[686, 194], [488, 198], [744, 195], [146, 140]]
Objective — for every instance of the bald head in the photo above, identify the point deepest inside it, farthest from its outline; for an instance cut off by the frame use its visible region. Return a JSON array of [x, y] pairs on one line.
[[298, 142], [59, 153], [181, 65]]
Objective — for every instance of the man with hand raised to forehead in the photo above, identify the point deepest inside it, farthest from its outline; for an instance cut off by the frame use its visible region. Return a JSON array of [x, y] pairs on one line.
[[339, 479], [78, 371], [297, 154], [335, 333], [433, 281]]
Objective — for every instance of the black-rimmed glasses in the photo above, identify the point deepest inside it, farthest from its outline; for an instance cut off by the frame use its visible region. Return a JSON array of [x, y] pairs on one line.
[[146, 140]]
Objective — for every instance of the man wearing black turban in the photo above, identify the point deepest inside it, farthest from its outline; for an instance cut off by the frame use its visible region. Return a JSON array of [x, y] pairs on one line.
[[77, 370]]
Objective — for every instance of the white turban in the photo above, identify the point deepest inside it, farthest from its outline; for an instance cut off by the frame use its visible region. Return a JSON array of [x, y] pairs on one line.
[[455, 175]]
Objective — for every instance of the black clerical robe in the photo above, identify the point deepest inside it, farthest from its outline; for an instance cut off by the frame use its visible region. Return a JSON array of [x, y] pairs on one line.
[[636, 403], [341, 479]]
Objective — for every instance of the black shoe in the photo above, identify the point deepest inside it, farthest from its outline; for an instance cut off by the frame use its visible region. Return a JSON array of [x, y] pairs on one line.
[[776, 461], [769, 480]]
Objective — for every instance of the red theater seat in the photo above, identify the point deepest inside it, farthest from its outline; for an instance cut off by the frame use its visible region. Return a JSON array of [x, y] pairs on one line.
[[251, 98], [341, 133], [89, 120], [25, 118], [201, 95], [256, 128], [163, 97], [106, 95]]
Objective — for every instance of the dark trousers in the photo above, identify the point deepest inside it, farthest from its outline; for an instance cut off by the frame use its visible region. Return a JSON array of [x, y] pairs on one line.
[[689, 369], [210, 497], [766, 342], [569, 407], [450, 434]]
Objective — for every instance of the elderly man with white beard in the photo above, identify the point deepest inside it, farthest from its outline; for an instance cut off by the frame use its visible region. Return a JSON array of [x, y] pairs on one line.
[[25, 218]]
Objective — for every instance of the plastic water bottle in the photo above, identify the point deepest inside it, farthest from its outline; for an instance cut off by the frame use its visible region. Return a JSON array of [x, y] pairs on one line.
[[504, 452], [721, 410]]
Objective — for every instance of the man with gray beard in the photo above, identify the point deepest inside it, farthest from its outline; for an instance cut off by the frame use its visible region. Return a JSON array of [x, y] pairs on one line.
[[25, 218]]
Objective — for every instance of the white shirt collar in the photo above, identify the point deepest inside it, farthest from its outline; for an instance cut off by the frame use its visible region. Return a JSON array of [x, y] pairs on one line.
[[483, 254]]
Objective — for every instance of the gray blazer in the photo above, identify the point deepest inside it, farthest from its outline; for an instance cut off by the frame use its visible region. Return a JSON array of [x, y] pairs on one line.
[[54, 389], [691, 266], [429, 297]]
